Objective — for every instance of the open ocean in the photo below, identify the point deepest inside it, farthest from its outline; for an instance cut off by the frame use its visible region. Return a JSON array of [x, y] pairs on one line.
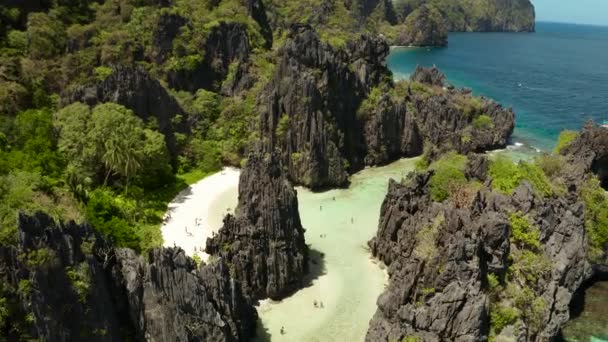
[[555, 78]]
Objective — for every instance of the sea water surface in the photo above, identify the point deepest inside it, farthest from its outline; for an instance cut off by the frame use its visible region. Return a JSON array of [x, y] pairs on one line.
[[555, 79]]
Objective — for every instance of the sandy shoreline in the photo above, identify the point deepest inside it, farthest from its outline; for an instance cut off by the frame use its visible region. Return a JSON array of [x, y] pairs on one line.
[[187, 221]]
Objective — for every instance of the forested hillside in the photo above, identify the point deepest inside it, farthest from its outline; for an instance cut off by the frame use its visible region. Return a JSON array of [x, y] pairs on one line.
[[476, 15], [109, 108]]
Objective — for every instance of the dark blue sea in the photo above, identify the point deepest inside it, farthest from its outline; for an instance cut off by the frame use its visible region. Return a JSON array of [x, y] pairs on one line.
[[555, 78]]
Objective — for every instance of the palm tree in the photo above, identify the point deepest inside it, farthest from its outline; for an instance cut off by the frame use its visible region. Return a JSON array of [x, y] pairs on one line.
[[131, 162], [113, 158]]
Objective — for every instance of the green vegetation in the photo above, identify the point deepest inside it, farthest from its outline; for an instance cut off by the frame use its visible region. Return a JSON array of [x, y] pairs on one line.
[[463, 15], [565, 138], [501, 317], [40, 257], [596, 216], [80, 277], [523, 232], [483, 122], [411, 339], [449, 174], [507, 176], [425, 248]]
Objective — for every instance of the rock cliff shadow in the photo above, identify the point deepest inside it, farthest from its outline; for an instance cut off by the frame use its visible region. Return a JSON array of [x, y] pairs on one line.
[[262, 334], [316, 267]]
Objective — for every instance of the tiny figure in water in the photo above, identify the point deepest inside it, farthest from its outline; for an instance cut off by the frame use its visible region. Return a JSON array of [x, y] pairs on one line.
[[320, 208], [352, 220], [315, 304], [334, 198], [282, 330], [321, 305]]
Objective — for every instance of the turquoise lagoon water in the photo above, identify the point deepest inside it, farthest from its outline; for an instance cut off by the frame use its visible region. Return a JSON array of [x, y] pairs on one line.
[[344, 277], [555, 79]]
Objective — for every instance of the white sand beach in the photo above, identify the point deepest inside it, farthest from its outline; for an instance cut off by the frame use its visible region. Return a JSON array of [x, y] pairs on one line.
[[197, 212]]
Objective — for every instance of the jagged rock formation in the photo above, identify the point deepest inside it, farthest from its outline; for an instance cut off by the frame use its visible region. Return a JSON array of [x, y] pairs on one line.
[[431, 76], [167, 29], [479, 16], [257, 11], [263, 243], [135, 89], [316, 92], [425, 26], [589, 152], [363, 9], [227, 43], [65, 282], [441, 257], [332, 112]]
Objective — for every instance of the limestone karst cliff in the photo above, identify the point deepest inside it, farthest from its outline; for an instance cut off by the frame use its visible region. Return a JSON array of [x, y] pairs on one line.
[[64, 282], [263, 242], [332, 112], [500, 255]]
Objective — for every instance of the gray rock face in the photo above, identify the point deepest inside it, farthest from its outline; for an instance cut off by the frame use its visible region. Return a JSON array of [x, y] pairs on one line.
[[317, 94], [313, 112], [263, 243], [363, 9], [481, 16], [135, 89], [227, 43], [589, 152], [431, 76], [64, 282], [440, 255], [170, 299], [425, 26]]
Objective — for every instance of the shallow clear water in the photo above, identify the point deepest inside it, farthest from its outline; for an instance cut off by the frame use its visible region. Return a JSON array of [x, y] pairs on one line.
[[555, 79], [343, 275]]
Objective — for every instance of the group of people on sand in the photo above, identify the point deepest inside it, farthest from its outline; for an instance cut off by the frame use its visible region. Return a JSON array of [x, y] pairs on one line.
[[197, 222]]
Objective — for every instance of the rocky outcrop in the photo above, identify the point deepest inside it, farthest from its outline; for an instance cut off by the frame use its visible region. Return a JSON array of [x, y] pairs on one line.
[[479, 16], [425, 26], [438, 118], [60, 272], [452, 265], [589, 153], [167, 29], [257, 11], [332, 112], [169, 299], [315, 94], [363, 9], [263, 243], [227, 43], [431, 76], [135, 89]]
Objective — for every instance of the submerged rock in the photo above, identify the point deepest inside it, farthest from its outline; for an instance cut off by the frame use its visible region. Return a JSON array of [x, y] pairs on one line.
[[263, 243], [65, 282], [454, 264]]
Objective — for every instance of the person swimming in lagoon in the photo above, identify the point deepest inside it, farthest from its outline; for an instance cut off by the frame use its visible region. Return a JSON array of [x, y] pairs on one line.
[[282, 330]]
